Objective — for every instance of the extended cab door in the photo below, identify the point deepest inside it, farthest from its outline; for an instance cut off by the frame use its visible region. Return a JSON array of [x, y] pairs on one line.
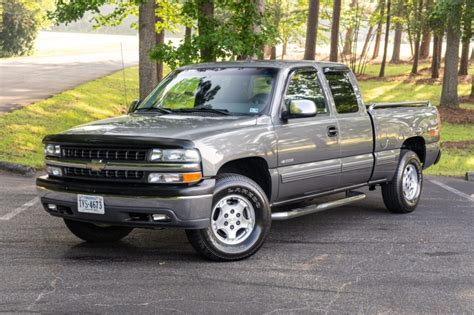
[[355, 127], [308, 148]]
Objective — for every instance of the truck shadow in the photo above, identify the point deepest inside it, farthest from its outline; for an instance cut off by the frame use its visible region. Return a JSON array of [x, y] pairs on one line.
[[171, 246]]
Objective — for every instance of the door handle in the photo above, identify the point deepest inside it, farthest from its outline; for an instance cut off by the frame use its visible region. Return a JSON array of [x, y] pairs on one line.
[[332, 131]]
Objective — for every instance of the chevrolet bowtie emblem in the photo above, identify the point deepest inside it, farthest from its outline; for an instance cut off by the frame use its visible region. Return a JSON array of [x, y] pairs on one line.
[[96, 165]]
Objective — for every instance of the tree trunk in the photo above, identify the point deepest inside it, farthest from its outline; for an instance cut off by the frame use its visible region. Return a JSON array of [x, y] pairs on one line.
[[311, 30], [206, 29], [426, 31], [416, 54], [336, 14], [464, 64], [378, 35], [440, 50], [425, 44], [472, 88], [466, 38], [273, 53], [435, 60], [449, 92], [347, 49], [397, 40], [149, 71], [283, 50], [366, 42], [472, 55], [187, 34], [387, 34], [260, 6]]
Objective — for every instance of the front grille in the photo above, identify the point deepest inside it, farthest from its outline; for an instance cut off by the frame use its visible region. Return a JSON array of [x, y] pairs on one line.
[[112, 154], [103, 174]]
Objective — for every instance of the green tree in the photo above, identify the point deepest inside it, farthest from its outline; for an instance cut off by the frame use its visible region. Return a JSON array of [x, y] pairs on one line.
[[20, 22], [153, 17], [225, 30]]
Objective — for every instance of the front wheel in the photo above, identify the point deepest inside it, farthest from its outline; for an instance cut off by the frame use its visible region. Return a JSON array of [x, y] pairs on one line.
[[239, 223], [403, 193], [97, 234]]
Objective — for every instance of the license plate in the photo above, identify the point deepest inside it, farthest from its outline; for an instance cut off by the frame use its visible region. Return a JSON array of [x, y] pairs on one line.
[[90, 204]]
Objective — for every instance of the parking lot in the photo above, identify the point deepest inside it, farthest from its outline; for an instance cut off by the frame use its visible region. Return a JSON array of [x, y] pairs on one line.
[[358, 258]]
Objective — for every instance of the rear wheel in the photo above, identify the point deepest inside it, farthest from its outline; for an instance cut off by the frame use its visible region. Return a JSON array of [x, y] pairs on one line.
[[97, 234], [239, 224], [403, 193]]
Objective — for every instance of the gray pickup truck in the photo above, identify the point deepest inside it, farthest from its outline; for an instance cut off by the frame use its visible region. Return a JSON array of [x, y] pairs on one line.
[[217, 149]]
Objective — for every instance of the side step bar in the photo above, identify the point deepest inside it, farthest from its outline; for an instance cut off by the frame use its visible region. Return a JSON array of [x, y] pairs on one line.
[[351, 197]]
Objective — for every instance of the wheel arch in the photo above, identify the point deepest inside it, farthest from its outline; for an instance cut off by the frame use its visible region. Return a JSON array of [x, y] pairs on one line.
[[255, 168], [416, 144]]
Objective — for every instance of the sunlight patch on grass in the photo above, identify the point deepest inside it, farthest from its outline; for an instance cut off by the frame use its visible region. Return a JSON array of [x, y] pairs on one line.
[[22, 130], [453, 162]]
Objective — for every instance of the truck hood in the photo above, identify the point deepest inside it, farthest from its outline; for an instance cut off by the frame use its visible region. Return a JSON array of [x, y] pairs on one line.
[[189, 127]]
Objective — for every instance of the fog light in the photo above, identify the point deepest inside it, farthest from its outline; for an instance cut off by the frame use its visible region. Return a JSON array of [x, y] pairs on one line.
[[172, 178], [52, 207], [160, 217], [55, 171]]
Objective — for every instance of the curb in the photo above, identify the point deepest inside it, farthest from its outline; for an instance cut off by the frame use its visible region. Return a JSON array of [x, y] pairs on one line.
[[17, 168], [470, 176]]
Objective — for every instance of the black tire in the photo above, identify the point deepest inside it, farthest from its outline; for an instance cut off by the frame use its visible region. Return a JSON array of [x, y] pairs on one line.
[[392, 193], [208, 244], [96, 234]]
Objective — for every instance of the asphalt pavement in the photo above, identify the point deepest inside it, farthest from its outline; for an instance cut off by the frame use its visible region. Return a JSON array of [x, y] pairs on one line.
[[64, 60], [355, 259]]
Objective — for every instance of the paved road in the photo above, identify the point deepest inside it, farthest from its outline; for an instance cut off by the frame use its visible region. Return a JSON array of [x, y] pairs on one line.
[[354, 259], [64, 61]]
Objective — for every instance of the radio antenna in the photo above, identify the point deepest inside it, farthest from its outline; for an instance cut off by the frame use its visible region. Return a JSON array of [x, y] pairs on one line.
[[123, 74]]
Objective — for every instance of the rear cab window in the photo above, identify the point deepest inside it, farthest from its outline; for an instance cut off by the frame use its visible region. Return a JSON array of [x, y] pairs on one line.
[[342, 92]]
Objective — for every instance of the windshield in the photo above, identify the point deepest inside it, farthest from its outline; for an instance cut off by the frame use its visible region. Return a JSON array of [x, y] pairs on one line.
[[241, 91]]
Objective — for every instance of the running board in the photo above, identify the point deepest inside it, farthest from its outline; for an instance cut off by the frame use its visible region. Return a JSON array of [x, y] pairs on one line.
[[354, 196]]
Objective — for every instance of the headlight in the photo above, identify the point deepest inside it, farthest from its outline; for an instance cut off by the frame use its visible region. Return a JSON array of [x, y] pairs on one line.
[[174, 155], [55, 171], [52, 150], [173, 178]]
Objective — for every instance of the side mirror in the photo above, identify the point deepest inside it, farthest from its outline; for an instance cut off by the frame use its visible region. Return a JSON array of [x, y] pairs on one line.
[[299, 109], [133, 106]]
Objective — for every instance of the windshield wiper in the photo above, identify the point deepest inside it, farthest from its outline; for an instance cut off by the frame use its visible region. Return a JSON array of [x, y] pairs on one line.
[[157, 109], [203, 109]]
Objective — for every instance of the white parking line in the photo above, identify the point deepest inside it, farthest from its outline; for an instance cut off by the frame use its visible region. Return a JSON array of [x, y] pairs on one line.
[[19, 210], [451, 189]]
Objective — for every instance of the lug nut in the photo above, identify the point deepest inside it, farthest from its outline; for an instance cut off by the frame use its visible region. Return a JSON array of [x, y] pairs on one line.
[[226, 223], [226, 215], [238, 222], [231, 227], [232, 211], [238, 215]]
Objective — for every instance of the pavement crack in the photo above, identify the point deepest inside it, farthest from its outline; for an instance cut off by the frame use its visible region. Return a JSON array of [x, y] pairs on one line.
[[51, 289]]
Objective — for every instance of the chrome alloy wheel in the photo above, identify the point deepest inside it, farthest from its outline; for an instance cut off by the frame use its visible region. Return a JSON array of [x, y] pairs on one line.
[[411, 183], [232, 219]]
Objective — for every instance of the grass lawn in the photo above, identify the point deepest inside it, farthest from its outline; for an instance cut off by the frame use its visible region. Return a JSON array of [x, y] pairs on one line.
[[393, 91], [21, 131]]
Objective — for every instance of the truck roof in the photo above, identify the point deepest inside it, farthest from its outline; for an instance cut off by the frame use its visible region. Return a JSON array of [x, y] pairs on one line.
[[280, 64]]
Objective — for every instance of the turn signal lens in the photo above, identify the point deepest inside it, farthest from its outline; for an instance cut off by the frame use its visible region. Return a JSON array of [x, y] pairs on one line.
[[191, 177]]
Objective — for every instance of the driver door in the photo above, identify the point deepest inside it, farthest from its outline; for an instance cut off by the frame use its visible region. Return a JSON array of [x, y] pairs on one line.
[[308, 148]]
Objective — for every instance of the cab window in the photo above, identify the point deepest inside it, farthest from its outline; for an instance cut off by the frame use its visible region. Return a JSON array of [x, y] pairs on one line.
[[342, 92], [304, 85]]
